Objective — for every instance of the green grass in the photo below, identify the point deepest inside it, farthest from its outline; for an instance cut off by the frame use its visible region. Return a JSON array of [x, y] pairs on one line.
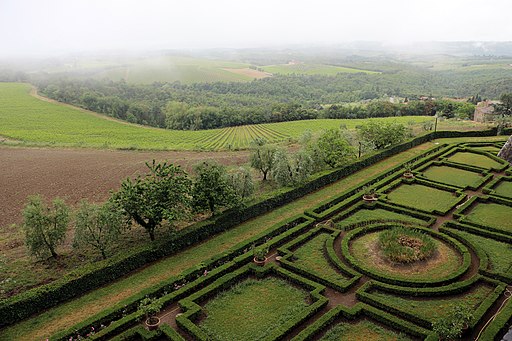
[[68, 314], [362, 330], [504, 189], [364, 214], [474, 159], [499, 253], [311, 256], [365, 250], [36, 122], [422, 197], [433, 309], [252, 309], [312, 69], [453, 176], [492, 215]]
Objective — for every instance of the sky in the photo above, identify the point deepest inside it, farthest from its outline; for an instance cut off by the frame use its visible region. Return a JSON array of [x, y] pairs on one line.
[[49, 27]]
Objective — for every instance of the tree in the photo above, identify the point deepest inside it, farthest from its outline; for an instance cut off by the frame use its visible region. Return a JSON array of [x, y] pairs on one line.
[[211, 188], [163, 194], [262, 158], [292, 170], [98, 226], [382, 135], [45, 227], [334, 148], [505, 107], [241, 182]]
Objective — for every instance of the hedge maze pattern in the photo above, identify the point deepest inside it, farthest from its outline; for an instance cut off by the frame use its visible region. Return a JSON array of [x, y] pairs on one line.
[[461, 196]]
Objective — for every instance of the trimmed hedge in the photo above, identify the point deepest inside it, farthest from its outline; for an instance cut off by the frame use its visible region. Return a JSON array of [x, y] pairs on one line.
[[194, 311], [395, 184], [482, 256], [364, 294], [189, 281], [357, 312], [500, 325], [341, 285], [460, 215], [429, 219], [486, 176]]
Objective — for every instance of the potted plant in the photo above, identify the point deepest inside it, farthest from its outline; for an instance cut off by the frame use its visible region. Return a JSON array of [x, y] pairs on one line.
[[408, 171], [369, 194], [150, 307], [455, 324], [260, 255]]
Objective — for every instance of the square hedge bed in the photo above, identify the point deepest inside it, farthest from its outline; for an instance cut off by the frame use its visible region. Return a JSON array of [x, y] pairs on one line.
[[364, 214], [482, 160], [454, 176], [421, 197], [489, 214], [504, 188], [251, 303]]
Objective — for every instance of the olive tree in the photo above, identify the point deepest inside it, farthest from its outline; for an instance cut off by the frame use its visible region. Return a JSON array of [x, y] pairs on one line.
[[241, 182], [292, 170], [211, 189], [334, 148], [382, 135], [162, 194], [45, 226], [262, 158], [98, 226]]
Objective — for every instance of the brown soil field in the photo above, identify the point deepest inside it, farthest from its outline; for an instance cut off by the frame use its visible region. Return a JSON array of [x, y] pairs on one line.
[[74, 174], [250, 72]]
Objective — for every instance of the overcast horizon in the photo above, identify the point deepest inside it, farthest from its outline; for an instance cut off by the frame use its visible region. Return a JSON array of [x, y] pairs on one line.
[[35, 28]]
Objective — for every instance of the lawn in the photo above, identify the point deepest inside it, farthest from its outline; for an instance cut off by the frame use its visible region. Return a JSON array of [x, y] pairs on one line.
[[422, 197], [253, 309], [453, 176], [364, 214], [432, 309], [499, 253], [311, 256], [492, 215], [362, 330], [31, 121], [504, 189], [474, 159]]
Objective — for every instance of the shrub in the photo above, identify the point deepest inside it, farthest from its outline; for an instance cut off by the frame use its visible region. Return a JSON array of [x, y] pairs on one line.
[[405, 245]]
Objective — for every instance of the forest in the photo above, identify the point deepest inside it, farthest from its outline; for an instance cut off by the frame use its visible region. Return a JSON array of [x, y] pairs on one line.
[[275, 99]]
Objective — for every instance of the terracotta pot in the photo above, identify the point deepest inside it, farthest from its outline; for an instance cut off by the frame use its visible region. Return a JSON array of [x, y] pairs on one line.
[[152, 323], [259, 262], [369, 198]]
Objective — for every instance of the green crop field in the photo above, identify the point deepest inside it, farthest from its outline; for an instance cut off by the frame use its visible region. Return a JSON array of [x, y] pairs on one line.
[[36, 122], [312, 69], [163, 69]]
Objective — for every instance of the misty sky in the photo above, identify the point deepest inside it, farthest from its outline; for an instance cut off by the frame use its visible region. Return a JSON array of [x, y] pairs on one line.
[[58, 26]]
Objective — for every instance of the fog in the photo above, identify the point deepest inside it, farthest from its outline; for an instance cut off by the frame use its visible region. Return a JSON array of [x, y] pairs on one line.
[[52, 27]]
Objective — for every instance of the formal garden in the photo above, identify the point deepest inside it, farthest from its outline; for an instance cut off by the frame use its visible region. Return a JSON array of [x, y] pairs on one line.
[[421, 251]]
